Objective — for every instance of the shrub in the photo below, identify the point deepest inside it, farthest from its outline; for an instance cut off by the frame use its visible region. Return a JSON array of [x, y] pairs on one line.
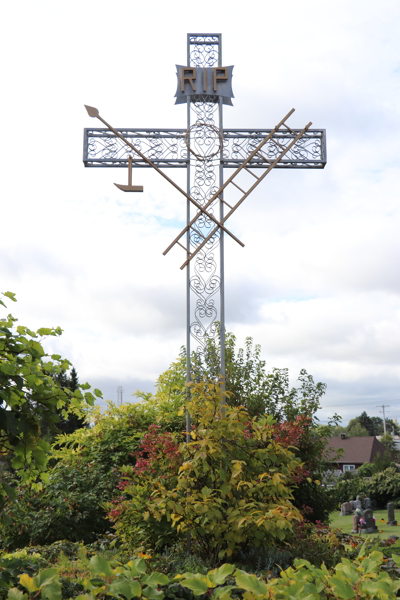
[[233, 487], [365, 470], [83, 477], [362, 578]]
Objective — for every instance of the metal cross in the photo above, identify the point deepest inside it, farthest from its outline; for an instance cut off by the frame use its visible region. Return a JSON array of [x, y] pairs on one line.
[[205, 150]]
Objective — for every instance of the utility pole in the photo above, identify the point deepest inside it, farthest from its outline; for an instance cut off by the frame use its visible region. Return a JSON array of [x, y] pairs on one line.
[[120, 394], [383, 406]]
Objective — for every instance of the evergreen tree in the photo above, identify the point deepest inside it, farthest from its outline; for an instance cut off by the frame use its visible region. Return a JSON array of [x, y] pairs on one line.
[[73, 381], [366, 422], [70, 382]]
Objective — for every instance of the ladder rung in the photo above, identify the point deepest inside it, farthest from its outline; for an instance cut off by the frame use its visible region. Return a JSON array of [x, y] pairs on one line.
[[288, 128], [185, 249], [225, 202], [251, 172], [261, 153], [239, 188]]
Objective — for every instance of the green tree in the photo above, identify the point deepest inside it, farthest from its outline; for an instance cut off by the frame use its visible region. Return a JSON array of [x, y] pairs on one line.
[[357, 430], [390, 445], [72, 422], [29, 396], [366, 422], [249, 383]]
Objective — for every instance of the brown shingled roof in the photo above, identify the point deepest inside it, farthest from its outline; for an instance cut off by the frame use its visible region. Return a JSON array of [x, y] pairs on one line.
[[356, 449]]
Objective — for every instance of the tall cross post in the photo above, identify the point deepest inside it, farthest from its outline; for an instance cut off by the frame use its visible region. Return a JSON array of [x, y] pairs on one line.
[[205, 149]]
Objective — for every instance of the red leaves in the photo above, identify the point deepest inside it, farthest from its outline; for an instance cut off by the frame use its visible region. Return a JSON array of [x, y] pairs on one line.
[[289, 433], [157, 449]]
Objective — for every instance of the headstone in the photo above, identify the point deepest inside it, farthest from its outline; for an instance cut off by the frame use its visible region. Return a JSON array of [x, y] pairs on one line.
[[368, 517], [347, 510], [391, 515], [367, 503], [356, 523], [358, 504], [343, 512]]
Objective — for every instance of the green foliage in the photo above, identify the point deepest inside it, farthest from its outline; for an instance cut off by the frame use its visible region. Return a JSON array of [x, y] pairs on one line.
[[361, 578], [68, 507], [390, 445], [72, 422], [29, 396], [234, 483], [249, 384], [365, 425], [83, 477], [357, 430], [366, 470], [382, 487], [380, 463]]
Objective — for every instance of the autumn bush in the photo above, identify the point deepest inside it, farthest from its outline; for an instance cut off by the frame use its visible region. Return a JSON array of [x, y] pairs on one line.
[[230, 486]]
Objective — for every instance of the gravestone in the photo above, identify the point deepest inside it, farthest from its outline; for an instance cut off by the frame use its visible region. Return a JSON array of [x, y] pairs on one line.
[[357, 504], [391, 515], [347, 510], [356, 523], [367, 503], [343, 512], [370, 526]]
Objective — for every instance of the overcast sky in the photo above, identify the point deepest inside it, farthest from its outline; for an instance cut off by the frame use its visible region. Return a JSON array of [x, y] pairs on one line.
[[318, 282]]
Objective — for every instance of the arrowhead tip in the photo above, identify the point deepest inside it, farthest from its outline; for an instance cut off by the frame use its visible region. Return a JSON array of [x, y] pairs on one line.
[[92, 112]]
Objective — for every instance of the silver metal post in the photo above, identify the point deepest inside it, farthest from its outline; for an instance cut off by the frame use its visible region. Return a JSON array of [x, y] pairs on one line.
[[222, 241], [188, 351]]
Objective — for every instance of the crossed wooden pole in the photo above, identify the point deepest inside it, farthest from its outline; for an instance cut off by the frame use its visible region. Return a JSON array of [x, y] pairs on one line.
[[202, 209]]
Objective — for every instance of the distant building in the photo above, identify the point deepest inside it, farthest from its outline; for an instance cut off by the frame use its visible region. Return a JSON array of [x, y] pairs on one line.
[[356, 451]]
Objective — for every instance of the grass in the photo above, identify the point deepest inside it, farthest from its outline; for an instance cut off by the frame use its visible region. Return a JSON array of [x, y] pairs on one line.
[[384, 531]]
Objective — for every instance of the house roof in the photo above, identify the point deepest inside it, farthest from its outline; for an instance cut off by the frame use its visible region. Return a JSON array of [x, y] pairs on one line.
[[356, 449]]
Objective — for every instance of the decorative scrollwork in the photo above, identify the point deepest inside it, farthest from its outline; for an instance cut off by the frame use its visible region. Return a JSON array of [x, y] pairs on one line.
[[204, 141], [168, 148], [203, 50]]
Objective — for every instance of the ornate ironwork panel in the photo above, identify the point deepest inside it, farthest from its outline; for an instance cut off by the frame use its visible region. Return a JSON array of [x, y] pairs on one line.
[[204, 140], [167, 148], [308, 153]]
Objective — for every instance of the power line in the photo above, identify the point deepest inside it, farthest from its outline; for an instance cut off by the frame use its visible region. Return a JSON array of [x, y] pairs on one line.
[[355, 404]]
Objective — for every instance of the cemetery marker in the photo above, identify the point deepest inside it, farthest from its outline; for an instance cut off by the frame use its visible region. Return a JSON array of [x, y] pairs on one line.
[[205, 150]]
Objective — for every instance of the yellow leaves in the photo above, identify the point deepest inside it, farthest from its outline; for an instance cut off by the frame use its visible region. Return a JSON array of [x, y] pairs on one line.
[[146, 515], [28, 582], [276, 479], [185, 466], [175, 518]]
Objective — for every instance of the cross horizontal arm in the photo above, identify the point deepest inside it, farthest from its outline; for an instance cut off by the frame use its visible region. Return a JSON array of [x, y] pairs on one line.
[[270, 167], [149, 162], [166, 148]]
